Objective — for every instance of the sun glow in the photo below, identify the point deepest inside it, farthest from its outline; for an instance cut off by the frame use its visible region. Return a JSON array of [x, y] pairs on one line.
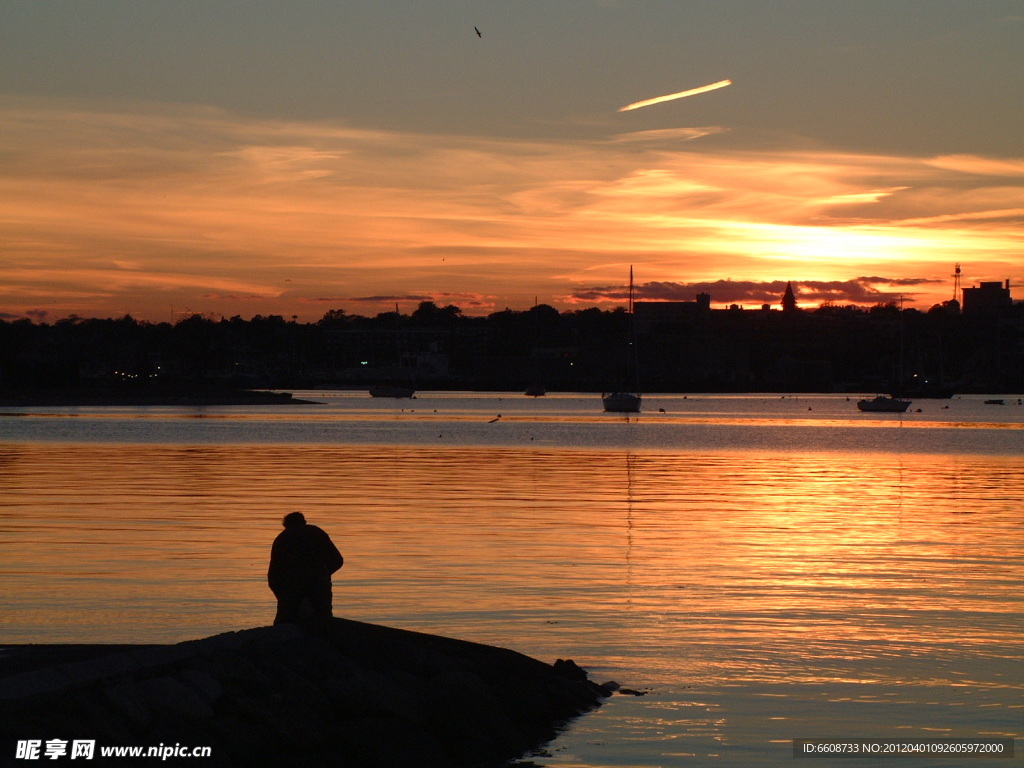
[[254, 216], [830, 245]]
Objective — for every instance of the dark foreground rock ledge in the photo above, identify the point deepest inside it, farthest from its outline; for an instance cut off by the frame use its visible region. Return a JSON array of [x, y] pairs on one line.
[[353, 695]]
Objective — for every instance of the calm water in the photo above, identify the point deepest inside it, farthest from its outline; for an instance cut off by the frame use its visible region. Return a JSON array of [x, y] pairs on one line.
[[764, 568]]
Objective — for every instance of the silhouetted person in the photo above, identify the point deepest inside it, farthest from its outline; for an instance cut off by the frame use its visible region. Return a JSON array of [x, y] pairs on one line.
[[301, 563]]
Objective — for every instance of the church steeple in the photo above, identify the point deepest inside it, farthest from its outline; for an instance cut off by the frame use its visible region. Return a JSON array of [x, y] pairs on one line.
[[789, 299]]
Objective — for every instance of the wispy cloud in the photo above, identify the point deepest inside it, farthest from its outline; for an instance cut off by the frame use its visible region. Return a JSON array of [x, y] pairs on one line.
[[107, 210], [669, 134], [981, 166]]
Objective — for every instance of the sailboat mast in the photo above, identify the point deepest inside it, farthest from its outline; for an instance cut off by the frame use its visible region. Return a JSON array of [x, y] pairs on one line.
[[625, 401], [632, 336]]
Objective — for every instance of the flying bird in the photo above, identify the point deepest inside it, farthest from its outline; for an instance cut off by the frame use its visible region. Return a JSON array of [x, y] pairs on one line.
[[478, 32], [673, 96]]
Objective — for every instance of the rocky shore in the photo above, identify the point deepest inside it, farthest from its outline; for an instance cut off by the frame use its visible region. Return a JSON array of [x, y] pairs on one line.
[[350, 695]]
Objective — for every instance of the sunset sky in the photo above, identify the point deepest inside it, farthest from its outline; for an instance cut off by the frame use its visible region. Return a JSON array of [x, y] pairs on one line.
[[243, 157]]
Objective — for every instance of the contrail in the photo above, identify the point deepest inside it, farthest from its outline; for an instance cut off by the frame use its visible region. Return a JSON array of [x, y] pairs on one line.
[[680, 95]]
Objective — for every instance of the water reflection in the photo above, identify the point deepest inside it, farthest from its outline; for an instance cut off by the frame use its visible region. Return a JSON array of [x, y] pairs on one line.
[[740, 540], [803, 580], [825, 423]]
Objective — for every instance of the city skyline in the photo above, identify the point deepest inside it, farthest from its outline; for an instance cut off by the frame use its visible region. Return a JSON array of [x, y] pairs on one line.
[[250, 158]]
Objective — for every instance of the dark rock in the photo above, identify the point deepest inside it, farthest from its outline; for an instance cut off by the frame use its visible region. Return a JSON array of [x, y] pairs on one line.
[[349, 694], [568, 669]]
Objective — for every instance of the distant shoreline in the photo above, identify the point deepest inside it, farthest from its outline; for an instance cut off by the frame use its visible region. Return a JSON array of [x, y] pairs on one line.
[[124, 397]]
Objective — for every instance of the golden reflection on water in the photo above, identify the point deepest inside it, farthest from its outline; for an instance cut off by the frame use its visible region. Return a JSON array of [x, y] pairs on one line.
[[758, 548], [804, 582]]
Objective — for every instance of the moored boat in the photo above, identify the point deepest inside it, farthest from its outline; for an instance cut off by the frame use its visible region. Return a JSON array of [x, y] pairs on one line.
[[624, 401], [884, 404], [621, 402], [391, 390]]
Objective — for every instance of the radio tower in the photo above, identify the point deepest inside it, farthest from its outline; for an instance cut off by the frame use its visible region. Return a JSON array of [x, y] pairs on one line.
[[956, 284]]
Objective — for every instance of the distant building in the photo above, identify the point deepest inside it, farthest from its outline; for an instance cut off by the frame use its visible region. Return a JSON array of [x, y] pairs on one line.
[[987, 299], [650, 314], [789, 299]]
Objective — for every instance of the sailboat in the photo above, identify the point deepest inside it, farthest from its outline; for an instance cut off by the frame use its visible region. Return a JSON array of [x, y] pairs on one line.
[[888, 403], [388, 388], [627, 401], [621, 402]]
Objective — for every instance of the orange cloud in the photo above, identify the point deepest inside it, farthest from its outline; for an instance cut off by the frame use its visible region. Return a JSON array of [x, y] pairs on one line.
[[109, 210], [981, 166]]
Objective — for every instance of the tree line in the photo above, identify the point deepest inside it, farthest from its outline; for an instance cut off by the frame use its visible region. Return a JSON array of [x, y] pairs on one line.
[[830, 348]]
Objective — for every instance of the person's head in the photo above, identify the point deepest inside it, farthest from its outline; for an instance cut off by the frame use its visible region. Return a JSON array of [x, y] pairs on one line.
[[294, 520]]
